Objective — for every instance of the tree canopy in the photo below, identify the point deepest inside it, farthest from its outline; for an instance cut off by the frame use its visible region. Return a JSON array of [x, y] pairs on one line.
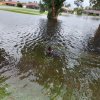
[[54, 7], [95, 4], [78, 3]]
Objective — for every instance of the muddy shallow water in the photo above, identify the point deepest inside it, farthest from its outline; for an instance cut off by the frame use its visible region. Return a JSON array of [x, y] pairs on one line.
[[28, 73]]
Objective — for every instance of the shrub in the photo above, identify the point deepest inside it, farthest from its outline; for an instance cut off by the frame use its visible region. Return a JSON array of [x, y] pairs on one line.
[[78, 11], [19, 4]]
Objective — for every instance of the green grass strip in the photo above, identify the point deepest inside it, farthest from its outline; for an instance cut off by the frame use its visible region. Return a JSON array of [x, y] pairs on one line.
[[23, 10]]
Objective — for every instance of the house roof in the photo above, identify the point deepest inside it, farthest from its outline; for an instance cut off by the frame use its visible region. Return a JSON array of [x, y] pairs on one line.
[[66, 9], [32, 4], [10, 2], [93, 11]]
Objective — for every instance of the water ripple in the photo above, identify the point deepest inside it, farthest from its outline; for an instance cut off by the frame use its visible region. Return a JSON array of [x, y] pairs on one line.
[[72, 72]]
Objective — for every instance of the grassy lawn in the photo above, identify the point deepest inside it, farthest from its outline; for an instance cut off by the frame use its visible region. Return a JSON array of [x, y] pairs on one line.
[[22, 10]]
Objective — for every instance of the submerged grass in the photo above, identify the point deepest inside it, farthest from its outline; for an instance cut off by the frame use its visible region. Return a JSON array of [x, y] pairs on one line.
[[3, 87]]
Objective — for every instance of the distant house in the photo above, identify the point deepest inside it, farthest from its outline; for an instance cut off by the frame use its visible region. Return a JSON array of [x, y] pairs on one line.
[[33, 5], [92, 12], [10, 2], [1, 3], [66, 10]]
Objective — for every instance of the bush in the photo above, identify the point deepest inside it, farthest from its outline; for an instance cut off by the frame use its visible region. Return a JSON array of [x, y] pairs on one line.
[[42, 8], [79, 11], [19, 5]]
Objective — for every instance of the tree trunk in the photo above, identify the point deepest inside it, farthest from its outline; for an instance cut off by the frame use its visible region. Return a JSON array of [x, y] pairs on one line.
[[52, 14], [53, 11], [97, 37]]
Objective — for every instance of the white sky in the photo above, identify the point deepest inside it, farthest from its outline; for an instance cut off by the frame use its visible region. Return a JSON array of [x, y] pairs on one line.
[[86, 3]]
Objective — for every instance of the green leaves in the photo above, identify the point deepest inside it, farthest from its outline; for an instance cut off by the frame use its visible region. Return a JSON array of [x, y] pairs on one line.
[[58, 3], [54, 7], [95, 4]]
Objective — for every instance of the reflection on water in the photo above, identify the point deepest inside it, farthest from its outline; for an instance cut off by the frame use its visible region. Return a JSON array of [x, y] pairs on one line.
[[72, 73]]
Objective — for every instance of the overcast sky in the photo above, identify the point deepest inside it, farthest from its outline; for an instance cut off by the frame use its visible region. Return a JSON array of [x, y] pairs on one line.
[[86, 2]]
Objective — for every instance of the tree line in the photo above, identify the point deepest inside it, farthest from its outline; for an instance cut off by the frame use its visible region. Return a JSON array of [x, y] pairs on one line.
[[54, 6]]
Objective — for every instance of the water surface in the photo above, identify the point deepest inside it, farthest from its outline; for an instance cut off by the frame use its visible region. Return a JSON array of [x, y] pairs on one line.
[[28, 73]]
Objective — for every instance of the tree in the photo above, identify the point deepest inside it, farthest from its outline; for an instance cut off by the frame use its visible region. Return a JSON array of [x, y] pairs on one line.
[[19, 4], [67, 4], [95, 4], [78, 3], [97, 37], [54, 7], [42, 7], [79, 8]]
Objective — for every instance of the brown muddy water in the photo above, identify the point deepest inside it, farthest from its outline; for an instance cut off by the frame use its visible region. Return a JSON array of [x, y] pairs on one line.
[[28, 73]]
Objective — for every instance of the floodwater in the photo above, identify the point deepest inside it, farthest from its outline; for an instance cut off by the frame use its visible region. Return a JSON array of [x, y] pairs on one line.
[[27, 72]]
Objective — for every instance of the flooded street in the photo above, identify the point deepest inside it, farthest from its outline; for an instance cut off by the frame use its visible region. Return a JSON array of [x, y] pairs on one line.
[[27, 72]]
